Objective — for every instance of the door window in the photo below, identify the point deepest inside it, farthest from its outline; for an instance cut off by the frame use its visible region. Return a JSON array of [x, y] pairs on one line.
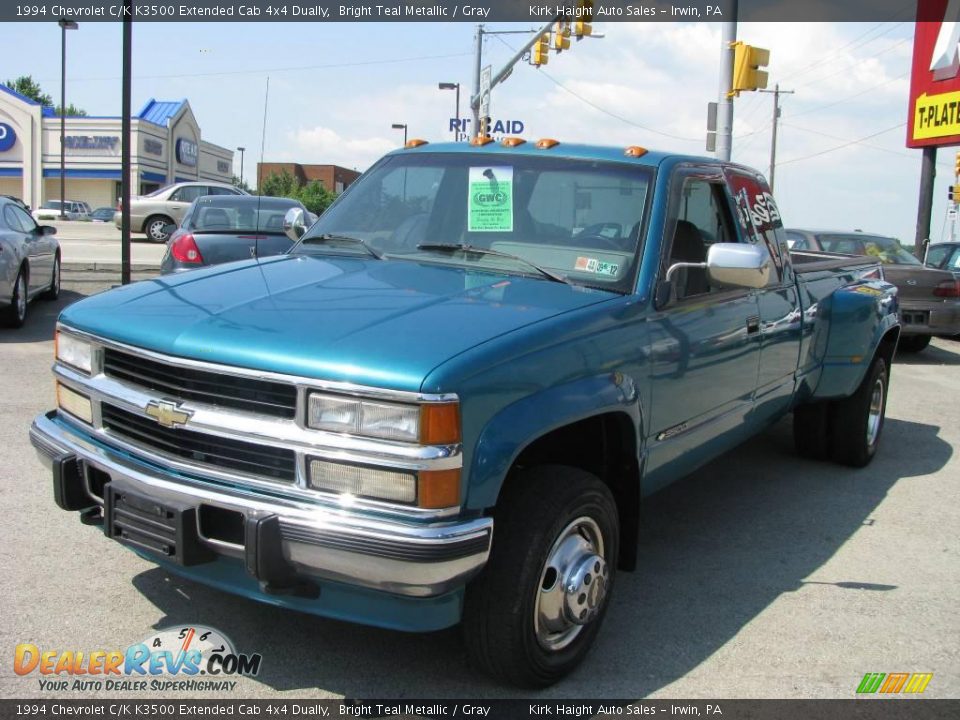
[[27, 223], [702, 219], [937, 255], [215, 190], [189, 193]]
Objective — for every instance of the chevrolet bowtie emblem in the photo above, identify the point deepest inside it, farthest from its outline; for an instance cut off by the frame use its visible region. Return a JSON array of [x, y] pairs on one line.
[[167, 413]]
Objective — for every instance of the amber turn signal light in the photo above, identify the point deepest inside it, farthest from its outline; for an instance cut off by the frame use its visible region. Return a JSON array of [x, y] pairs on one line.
[[440, 424], [438, 488]]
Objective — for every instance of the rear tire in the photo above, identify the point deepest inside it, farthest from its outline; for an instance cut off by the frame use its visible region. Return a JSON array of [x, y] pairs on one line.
[[535, 610], [15, 314], [913, 343], [857, 421], [811, 430], [54, 291], [153, 228]]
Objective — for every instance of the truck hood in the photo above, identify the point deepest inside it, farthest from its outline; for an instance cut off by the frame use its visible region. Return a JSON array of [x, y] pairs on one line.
[[380, 323]]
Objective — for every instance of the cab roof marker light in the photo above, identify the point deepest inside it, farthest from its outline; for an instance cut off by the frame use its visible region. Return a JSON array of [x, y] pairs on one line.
[[512, 141], [546, 143], [635, 151], [415, 142], [480, 141]]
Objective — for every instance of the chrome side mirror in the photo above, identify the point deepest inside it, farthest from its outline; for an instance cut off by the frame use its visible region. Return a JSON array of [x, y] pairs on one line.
[[739, 265], [294, 224]]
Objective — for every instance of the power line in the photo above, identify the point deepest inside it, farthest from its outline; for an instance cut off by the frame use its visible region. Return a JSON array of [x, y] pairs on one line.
[[847, 70], [850, 97], [840, 147], [385, 61]]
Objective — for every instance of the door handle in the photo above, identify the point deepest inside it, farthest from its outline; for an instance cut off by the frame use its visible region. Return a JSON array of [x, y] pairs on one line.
[[753, 324]]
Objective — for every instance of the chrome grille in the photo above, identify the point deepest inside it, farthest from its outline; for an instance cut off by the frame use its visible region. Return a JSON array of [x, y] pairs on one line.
[[241, 393], [247, 457]]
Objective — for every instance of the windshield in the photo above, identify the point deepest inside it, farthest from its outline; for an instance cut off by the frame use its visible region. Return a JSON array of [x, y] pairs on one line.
[[236, 213], [580, 219], [886, 250]]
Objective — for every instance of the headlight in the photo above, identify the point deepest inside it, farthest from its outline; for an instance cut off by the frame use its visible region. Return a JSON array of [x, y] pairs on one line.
[[74, 403], [73, 351], [437, 423]]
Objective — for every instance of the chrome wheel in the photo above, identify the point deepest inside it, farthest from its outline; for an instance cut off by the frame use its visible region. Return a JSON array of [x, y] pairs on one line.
[[155, 230], [21, 298], [573, 584], [875, 412]]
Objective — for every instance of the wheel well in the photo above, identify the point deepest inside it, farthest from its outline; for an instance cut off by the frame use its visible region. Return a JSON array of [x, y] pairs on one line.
[[605, 446], [888, 345]]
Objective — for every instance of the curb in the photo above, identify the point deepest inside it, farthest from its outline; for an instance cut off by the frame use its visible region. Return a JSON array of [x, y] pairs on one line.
[[107, 267]]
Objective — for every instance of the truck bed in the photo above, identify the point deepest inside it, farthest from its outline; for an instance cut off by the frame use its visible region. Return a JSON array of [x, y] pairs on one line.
[[811, 261]]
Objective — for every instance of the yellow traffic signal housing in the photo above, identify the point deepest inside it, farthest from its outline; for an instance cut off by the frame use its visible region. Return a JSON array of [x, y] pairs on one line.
[[561, 36], [952, 193], [541, 51], [956, 165], [746, 63], [584, 13]]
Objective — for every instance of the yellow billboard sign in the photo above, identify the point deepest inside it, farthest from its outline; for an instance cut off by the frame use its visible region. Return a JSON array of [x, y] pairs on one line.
[[937, 116]]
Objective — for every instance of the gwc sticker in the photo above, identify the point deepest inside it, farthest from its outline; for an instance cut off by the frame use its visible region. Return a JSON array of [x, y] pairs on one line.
[[490, 199]]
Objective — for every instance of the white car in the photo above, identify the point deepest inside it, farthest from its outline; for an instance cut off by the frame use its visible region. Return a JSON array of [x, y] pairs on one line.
[[73, 210]]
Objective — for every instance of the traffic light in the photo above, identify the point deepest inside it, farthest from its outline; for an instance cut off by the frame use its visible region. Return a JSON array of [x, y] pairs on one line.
[[953, 193], [956, 165], [485, 123], [561, 36], [584, 25], [541, 50], [746, 63]]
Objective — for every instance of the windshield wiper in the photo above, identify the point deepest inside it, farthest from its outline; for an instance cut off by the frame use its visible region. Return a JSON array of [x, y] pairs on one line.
[[327, 237], [473, 250]]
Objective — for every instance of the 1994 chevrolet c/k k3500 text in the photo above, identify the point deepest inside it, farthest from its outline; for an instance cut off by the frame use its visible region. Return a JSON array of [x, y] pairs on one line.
[[445, 403]]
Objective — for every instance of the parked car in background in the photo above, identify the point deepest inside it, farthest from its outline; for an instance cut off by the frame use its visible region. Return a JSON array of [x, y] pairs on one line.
[[72, 210], [929, 298], [223, 228], [102, 214], [29, 262], [152, 214], [944, 256]]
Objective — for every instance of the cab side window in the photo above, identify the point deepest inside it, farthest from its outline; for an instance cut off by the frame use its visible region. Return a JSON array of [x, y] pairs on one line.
[[796, 241], [702, 219]]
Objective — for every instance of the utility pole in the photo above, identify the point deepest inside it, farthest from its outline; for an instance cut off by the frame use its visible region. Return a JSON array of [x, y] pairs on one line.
[[475, 98], [777, 92], [928, 172], [725, 103]]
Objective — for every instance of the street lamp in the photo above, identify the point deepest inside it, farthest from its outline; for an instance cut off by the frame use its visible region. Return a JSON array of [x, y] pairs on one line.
[[64, 26], [453, 86], [241, 150], [401, 126]]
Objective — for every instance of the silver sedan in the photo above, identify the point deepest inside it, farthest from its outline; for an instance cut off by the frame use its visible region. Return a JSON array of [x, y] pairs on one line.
[[29, 262]]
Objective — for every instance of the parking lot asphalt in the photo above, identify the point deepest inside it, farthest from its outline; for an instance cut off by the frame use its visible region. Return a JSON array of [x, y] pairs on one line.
[[762, 575], [91, 245]]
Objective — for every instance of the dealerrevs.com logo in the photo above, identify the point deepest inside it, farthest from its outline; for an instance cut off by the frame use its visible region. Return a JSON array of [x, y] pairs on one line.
[[189, 659]]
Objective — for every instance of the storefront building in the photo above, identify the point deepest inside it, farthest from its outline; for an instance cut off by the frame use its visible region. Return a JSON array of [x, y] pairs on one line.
[[166, 147]]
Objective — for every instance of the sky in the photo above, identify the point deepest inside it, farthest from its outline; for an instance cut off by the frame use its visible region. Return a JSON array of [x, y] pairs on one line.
[[335, 89]]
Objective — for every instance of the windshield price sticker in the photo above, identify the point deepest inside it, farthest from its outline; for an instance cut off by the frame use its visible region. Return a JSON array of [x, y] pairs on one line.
[[490, 199]]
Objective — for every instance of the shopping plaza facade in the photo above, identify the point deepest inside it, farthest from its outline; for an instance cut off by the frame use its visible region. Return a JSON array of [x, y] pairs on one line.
[[166, 147]]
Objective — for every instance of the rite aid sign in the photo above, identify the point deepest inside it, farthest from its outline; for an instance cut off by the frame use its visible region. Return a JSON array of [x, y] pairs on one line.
[[187, 152], [8, 137], [934, 118]]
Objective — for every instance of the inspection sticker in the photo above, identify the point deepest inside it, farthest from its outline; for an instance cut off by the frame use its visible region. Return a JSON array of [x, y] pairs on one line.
[[490, 199], [598, 267]]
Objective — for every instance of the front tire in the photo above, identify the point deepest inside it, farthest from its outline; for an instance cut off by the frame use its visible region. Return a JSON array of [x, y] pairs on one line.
[[913, 343], [53, 292], [15, 314], [153, 228], [858, 420], [534, 612]]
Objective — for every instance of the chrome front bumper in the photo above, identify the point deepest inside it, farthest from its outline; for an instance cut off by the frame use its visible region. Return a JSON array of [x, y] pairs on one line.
[[406, 558]]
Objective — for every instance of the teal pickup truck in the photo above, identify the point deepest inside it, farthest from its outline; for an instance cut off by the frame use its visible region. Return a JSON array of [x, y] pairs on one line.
[[447, 402]]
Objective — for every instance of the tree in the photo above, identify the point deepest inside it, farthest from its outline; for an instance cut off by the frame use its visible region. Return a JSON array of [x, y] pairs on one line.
[[26, 85], [240, 184], [314, 196]]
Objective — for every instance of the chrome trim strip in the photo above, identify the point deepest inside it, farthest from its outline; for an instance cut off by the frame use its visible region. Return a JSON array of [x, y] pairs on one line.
[[393, 552], [344, 388]]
